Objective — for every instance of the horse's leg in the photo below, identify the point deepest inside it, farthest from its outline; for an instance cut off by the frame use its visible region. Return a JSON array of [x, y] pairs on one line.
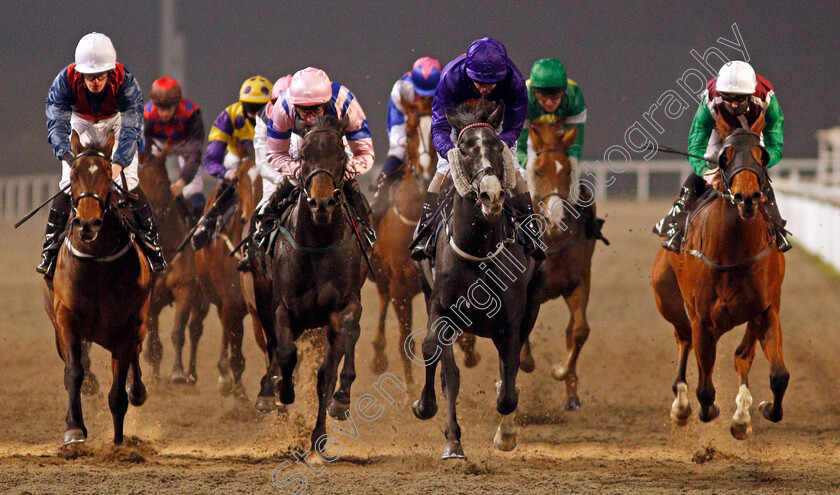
[[154, 347], [403, 310], [451, 381], [770, 336], [576, 334], [199, 310], [117, 397], [741, 423], [669, 301], [380, 360], [507, 397], [471, 356], [73, 376], [136, 391], [286, 355], [327, 376], [526, 359], [90, 385], [225, 382], [237, 360], [426, 406], [705, 350], [266, 399], [182, 299], [347, 323]]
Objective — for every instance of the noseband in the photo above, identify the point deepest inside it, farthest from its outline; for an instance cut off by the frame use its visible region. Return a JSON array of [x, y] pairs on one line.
[[103, 203], [476, 178], [336, 183], [743, 142]]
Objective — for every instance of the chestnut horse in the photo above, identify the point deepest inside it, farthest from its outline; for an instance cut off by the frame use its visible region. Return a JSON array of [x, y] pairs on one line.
[[178, 284], [100, 292], [220, 280], [568, 249], [728, 272]]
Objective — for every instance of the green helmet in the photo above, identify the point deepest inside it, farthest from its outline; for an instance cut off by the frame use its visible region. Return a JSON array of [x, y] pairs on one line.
[[548, 73]]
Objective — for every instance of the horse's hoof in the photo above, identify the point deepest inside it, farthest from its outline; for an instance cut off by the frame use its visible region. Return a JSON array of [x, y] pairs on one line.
[[178, 376], [238, 392], [471, 359], [709, 414], [527, 365], [192, 377], [137, 395], [416, 408], [505, 443], [559, 372], [573, 403], [740, 431], [90, 385], [680, 418], [225, 385], [265, 404], [286, 394], [76, 435], [338, 410], [766, 410], [453, 450]]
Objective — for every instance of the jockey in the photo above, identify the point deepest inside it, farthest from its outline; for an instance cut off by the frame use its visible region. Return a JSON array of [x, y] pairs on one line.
[[171, 119], [419, 83], [311, 95], [94, 96], [552, 96], [739, 96], [487, 72], [231, 141]]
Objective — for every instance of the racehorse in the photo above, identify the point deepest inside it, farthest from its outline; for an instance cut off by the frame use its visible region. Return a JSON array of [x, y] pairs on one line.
[[569, 251], [317, 272], [728, 272], [396, 280], [484, 283], [221, 282], [178, 284], [100, 291]]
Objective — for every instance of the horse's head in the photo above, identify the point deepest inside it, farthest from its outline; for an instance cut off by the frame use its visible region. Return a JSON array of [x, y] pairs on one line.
[[743, 165], [90, 185], [154, 179], [421, 155], [479, 168], [551, 171], [249, 185], [322, 164]]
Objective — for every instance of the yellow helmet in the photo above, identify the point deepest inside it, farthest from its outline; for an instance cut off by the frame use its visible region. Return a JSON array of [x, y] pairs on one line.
[[255, 89]]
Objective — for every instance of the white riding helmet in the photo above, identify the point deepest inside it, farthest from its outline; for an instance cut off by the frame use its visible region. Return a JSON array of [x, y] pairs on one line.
[[95, 54], [736, 77]]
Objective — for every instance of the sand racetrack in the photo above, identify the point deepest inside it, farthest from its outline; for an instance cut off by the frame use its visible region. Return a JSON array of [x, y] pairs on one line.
[[188, 439]]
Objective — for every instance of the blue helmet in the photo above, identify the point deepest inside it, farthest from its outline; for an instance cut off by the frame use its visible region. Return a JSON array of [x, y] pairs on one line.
[[425, 75], [487, 61]]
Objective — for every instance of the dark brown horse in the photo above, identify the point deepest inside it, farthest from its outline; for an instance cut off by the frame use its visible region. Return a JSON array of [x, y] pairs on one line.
[[221, 283], [568, 250], [100, 292], [178, 284], [728, 272], [316, 275]]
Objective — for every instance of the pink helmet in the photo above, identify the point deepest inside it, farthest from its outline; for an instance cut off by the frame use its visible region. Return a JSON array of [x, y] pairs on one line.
[[310, 86], [281, 85]]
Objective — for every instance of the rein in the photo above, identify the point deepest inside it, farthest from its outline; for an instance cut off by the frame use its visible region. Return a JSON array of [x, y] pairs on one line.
[[715, 266], [99, 259]]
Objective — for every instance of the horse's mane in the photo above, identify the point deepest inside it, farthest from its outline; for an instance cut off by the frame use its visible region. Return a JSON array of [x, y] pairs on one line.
[[471, 112]]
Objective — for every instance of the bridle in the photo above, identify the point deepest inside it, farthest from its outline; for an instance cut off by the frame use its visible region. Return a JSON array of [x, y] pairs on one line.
[[103, 203], [743, 142], [488, 170], [311, 175]]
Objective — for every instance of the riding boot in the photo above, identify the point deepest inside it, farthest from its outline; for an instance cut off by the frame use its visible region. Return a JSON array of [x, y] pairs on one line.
[[381, 196], [361, 210], [146, 225], [422, 247], [205, 230], [54, 235], [186, 210], [592, 224], [672, 226], [244, 264], [527, 232], [263, 222], [771, 210]]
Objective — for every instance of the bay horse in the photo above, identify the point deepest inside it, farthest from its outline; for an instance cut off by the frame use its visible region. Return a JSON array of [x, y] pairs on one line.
[[484, 282], [569, 251], [100, 291], [396, 280], [178, 284], [728, 272], [316, 276], [221, 282]]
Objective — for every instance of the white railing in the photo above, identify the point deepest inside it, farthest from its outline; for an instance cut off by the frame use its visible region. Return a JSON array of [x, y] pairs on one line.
[[813, 214], [19, 194]]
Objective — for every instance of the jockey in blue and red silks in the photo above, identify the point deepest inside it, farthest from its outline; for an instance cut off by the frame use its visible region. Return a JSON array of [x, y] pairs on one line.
[[171, 119], [94, 96], [485, 72]]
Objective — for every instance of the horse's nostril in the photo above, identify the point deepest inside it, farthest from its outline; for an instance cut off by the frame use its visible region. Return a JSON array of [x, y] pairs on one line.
[[739, 197], [484, 197], [76, 222], [97, 224], [756, 196], [313, 203], [502, 195], [331, 202]]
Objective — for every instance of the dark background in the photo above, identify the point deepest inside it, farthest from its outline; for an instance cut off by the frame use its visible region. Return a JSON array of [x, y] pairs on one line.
[[624, 55]]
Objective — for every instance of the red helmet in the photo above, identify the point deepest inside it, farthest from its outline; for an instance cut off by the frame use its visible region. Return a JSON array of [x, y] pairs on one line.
[[166, 92]]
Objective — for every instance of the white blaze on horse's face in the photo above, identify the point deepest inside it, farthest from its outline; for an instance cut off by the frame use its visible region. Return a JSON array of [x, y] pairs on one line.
[[559, 166], [490, 191]]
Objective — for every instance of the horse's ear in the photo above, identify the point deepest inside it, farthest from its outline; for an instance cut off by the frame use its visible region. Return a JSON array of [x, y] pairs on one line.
[[758, 126], [569, 137], [343, 123], [495, 118], [302, 126], [453, 119], [408, 107], [722, 127], [75, 143], [109, 144], [534, 134]]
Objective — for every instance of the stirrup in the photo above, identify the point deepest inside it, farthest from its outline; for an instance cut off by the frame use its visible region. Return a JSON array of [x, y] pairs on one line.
[[782, 242], [673, 242], [244, 264]]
